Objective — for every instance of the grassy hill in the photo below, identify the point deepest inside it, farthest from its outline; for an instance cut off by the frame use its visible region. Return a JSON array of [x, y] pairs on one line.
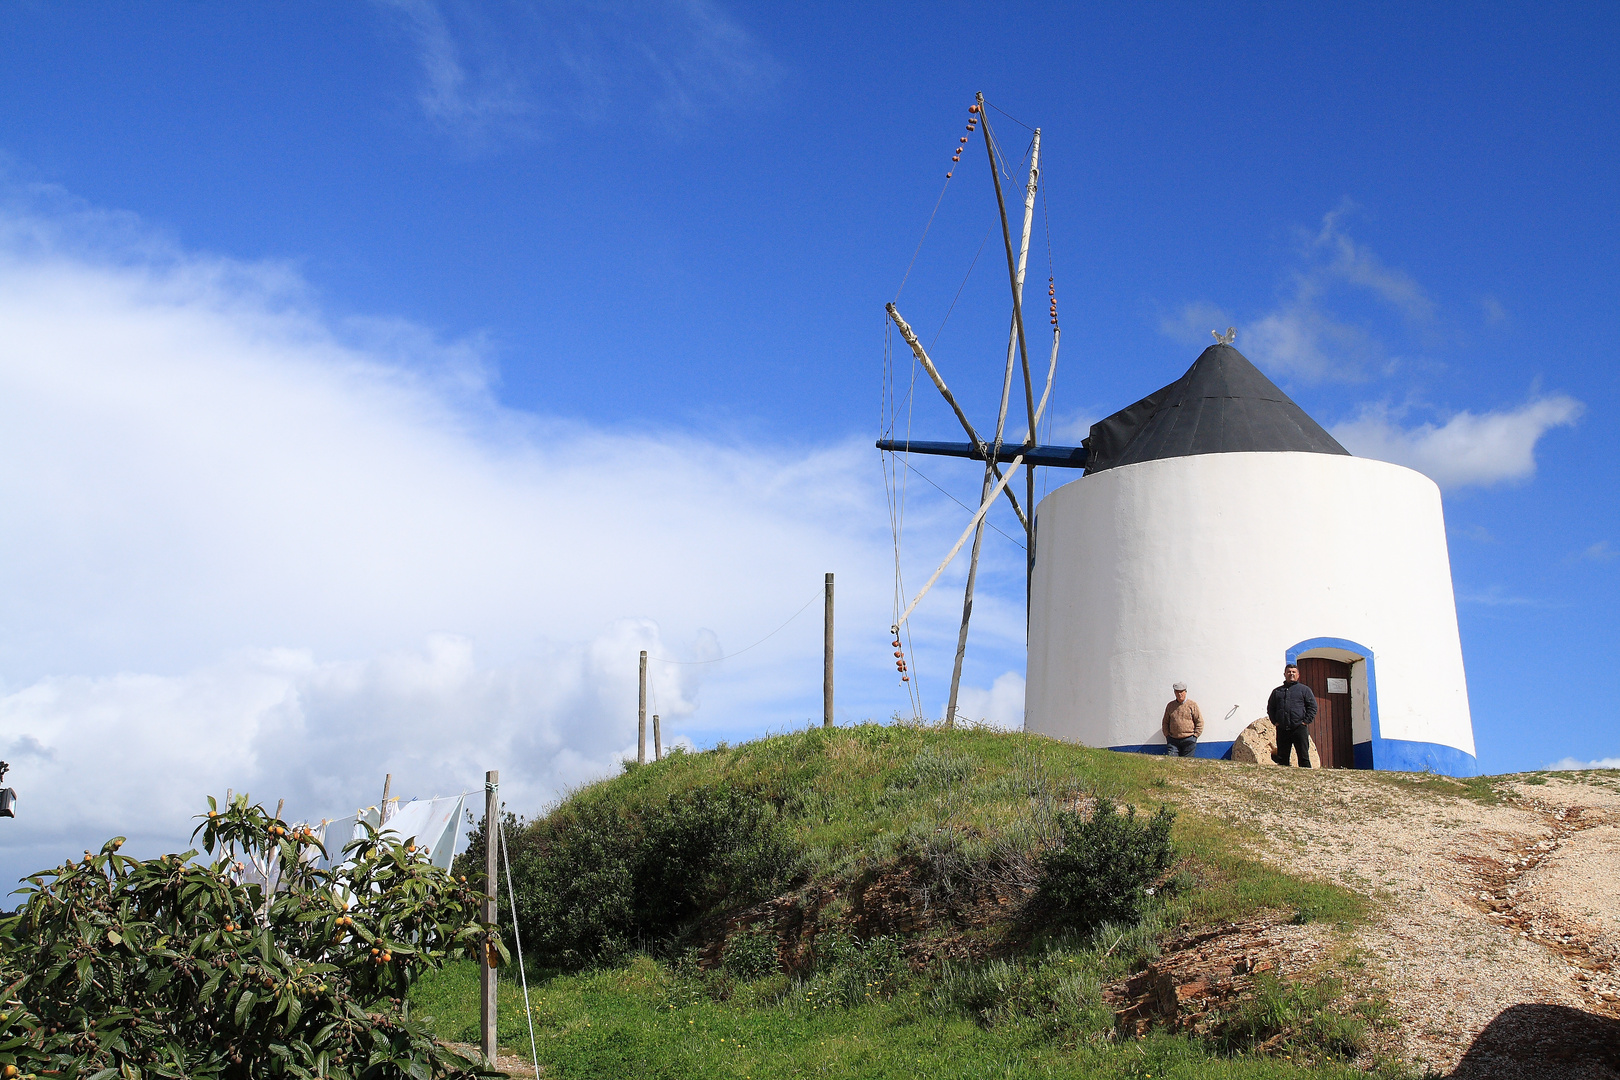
[[910, 925]]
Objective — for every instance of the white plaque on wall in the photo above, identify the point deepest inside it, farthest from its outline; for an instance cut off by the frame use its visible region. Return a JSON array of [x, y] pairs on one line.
[[1338, 686]]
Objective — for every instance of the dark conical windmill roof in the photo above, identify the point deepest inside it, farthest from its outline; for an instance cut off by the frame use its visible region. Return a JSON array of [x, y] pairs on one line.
[[1222, 405]]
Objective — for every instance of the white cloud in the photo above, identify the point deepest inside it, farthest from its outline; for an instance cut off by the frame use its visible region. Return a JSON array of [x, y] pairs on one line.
[[489, 69], [1302, 340], [1468, 449], [1602, 551], [1354, 264], [1569, 764], [248, 546], [1192, 324], [490, 94], [1305, 336], [1001, 706]]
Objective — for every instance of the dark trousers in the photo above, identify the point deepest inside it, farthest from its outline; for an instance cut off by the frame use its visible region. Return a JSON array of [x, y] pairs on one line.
[[1297, 738], [1181, 747]]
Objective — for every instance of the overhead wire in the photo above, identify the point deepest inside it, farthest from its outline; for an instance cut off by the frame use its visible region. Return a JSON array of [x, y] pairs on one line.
[[1009, 116], [972, 510], [935, 340], [906, 277], [739, 652], [894, 483]]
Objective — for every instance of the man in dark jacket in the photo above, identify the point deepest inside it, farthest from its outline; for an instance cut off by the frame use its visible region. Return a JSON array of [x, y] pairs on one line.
[[1292, 707]]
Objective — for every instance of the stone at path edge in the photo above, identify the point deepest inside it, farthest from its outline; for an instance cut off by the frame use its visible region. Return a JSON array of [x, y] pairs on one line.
[[1258, 741]]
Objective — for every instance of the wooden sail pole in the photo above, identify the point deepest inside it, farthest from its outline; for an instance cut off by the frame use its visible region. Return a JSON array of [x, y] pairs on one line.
[[967, 425], [1012, 266], [1001, 427], [984, 507]]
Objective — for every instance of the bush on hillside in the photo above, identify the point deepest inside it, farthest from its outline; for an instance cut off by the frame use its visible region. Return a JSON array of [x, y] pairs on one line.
[[595, 881], [751, 953], [1105, 866], [118, 967], [850, 972]]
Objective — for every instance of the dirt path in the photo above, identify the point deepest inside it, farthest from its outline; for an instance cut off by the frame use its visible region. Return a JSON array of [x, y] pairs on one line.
[[1497, 933]]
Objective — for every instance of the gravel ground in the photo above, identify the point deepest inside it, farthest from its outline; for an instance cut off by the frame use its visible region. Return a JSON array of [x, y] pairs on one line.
[[1497, 927]]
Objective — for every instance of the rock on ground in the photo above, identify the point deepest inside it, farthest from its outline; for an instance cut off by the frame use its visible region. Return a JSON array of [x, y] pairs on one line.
[[1257, 744]]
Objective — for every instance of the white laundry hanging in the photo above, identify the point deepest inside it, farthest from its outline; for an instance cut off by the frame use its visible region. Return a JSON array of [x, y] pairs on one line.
[[435, 824], [337, 834]]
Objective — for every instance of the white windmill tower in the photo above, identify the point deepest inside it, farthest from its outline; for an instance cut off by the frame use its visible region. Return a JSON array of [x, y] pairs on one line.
[[1218, 532]]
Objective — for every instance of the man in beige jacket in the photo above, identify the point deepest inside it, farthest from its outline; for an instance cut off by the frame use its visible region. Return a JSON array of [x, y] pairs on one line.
[[1183, 724]]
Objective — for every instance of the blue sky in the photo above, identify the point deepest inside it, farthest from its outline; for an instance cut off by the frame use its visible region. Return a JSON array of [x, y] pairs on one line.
[[380, 377]]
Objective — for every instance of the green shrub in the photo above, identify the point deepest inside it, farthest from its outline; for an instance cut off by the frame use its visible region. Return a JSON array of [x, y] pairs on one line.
[[703, 849], [1105, 866], [116, 966], [575, 888], [850, 972], [1055, 996], [1303, 1017], [594, 881], [751, 954]]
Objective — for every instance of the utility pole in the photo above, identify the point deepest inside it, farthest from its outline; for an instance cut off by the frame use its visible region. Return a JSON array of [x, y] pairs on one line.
[[641, 715], [827, 658], [486, 969]]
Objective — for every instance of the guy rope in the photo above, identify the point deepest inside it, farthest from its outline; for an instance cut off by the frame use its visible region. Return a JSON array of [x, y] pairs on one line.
[[993, 452]]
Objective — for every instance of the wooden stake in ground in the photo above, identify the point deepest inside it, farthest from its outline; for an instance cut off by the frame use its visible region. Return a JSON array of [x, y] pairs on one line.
[[486, 968], [827, 658], [658, 740], [641, 715]]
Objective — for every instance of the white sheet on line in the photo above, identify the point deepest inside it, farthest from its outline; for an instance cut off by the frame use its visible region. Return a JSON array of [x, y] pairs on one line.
[[435, 824]]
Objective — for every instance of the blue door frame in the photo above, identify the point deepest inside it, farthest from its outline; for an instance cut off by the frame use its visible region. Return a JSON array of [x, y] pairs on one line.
[[1396, 755]]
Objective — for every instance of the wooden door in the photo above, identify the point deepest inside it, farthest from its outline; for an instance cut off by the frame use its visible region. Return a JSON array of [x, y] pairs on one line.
[[1329, 680]]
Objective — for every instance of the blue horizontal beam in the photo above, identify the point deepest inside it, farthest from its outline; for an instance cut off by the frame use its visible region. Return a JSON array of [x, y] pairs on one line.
[[1053, 457]]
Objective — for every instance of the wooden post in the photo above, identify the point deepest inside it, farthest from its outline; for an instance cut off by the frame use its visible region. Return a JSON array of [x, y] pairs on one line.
[[641, 715], [827, 657], [382, 812], [486, 967], [658, 740]]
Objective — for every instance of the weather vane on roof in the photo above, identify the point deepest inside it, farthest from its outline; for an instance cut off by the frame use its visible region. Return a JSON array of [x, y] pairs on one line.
[[1226, 338]]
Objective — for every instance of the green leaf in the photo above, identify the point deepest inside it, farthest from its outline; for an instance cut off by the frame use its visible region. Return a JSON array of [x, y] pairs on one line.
[[245, 1006]]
